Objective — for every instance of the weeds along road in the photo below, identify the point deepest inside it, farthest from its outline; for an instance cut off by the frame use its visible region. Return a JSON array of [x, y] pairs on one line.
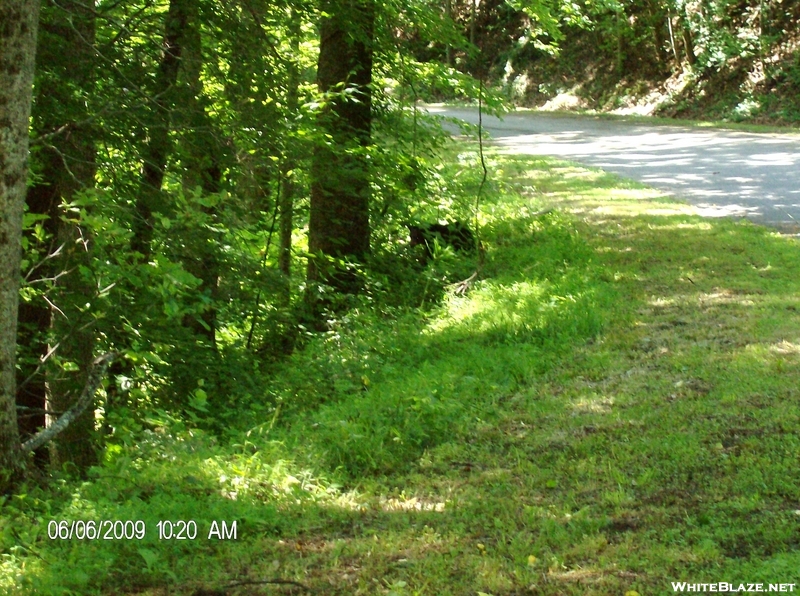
[[721, 172]]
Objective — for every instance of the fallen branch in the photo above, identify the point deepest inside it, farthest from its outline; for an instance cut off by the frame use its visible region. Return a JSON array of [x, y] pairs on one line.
[[462, 287], [95, 377]]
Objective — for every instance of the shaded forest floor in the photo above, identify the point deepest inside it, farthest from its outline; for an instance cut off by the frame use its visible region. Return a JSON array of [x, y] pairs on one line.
[[614, 406]]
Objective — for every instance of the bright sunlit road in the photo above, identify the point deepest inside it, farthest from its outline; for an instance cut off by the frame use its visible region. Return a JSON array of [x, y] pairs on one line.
[[721, 172]]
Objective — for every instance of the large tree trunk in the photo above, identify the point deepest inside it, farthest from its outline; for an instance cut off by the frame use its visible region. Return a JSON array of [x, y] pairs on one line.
[[149, 200], [339, 217], [158, 124], [200, 158], [66, 166], [19, 20]]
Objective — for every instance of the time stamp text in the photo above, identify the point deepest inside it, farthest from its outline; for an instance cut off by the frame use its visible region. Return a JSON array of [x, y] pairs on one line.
[[107, 529]]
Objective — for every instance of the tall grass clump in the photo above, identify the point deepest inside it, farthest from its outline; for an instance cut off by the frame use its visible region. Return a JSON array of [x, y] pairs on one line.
[[385, 384]]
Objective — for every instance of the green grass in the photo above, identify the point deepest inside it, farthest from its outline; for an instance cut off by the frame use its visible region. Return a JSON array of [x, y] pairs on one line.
[[613, 406]]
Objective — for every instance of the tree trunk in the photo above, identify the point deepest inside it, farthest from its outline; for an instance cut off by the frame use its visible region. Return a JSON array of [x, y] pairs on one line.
[[201, 173], [620, 53], [656, 20], [289, 160], [473, 20], [19, 20], [688, 42], [66, 165], [448, 11], [157, 124], [339, 217], [672, 40], [149, 200], [33, 327]]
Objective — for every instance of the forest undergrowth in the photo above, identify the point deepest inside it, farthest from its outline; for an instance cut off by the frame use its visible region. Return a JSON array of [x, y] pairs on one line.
[[611, 407]]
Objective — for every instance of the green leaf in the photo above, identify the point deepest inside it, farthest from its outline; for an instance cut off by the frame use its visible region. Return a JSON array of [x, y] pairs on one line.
[[150, 557], [199, 400]]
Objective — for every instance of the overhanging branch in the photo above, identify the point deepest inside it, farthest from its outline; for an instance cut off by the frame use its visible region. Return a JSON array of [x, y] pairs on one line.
[[96, 374]]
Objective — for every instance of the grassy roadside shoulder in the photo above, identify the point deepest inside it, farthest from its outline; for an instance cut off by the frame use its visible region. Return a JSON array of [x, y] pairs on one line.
[[613, 407]]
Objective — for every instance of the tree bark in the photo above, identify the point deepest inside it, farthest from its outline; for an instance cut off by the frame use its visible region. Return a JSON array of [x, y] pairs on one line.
[[672, 40], [289, 160], [339, 217], [67, 165], [200, 158], [448, 11], [688, 42], [656, 20], [33, 327], [473, 20], [621, 24], [19, 20], [149, 200]]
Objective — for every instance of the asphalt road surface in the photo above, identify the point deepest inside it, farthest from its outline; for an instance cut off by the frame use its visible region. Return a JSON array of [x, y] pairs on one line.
[[722, 173]]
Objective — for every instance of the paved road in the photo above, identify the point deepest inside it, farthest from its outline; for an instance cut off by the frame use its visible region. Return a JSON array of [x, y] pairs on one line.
[[723, 173]]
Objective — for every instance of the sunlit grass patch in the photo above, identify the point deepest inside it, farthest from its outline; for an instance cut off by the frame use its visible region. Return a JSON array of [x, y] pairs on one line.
[[521, 312]]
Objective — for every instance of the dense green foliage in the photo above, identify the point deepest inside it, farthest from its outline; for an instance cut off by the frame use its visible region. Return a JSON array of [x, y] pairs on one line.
[[719, 59], [169, 205]]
